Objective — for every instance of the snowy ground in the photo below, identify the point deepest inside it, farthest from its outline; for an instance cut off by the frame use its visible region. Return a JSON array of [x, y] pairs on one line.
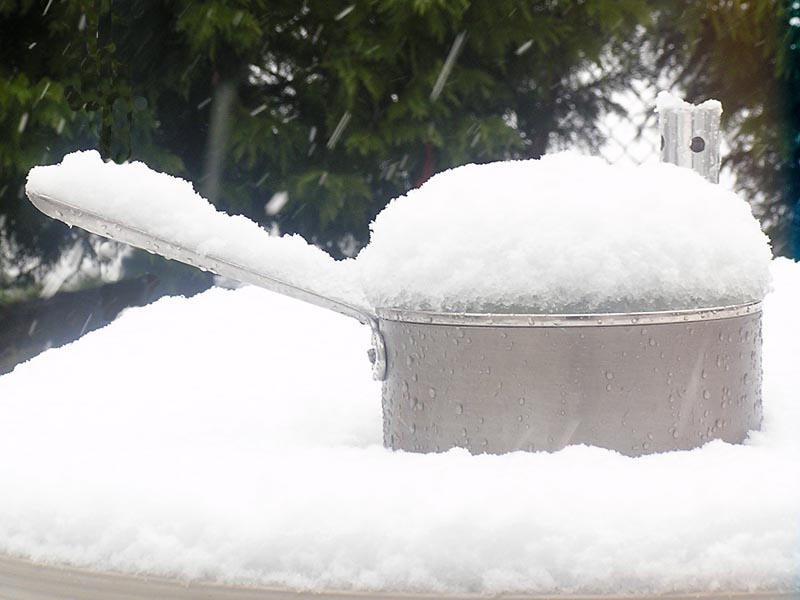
[[235, 437]]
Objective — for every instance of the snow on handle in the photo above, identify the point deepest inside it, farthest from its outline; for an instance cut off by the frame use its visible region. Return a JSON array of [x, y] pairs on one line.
[[164, 215]]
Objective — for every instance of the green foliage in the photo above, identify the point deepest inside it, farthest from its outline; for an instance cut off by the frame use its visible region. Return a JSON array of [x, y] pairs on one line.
[[334, 101], [209, 26]]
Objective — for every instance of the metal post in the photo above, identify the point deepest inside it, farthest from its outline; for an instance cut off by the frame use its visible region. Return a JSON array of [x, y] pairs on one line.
[[690, 134]]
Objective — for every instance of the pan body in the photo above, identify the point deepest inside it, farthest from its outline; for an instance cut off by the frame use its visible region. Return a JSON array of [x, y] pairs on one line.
[[636, 383]]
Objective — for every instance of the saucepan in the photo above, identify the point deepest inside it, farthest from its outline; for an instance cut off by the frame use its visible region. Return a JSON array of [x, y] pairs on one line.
[[634, 382]]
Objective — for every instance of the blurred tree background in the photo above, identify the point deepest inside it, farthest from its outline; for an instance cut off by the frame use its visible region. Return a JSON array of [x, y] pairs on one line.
[[309, 116], [745, 54]]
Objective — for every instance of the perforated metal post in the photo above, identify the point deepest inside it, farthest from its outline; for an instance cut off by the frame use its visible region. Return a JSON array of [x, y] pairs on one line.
[[690, 134]]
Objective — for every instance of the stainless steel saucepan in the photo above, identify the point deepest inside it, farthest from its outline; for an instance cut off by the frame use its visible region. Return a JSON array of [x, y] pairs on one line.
[[636, 383]]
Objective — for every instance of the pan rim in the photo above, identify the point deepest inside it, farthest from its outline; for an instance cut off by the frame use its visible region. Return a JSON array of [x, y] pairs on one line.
[[465, 319]]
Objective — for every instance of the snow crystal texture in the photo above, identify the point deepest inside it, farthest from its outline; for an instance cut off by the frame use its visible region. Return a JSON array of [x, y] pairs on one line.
[[565, 233], [666, 101], [236, 437]]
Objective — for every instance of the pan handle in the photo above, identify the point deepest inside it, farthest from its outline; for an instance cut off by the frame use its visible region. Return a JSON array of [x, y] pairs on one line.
[[690, 134], [105, 227]]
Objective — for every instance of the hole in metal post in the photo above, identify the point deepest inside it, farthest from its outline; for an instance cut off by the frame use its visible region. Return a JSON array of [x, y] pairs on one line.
[[662, 142], [698, 144]]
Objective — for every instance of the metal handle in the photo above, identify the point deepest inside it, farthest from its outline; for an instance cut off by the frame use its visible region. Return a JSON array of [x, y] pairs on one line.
[[690, 134], [106, 227]]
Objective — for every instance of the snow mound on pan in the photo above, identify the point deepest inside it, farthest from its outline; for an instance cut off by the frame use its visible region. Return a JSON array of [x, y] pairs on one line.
[[566, 233]]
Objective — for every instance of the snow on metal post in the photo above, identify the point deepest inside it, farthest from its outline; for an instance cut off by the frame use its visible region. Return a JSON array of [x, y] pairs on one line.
[[690, 134]]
